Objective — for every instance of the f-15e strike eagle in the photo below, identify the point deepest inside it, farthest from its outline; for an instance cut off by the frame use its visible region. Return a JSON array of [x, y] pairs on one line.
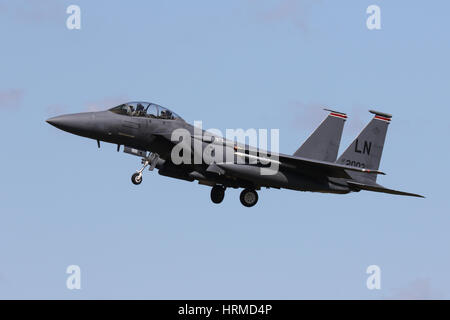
[[146, 130]]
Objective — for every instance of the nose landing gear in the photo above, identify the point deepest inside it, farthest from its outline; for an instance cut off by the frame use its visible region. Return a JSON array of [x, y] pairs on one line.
[[136, 178], [152, 160]]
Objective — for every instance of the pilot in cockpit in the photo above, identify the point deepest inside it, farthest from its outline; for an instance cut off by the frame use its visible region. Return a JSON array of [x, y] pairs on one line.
[[129, 109], [139, 110]]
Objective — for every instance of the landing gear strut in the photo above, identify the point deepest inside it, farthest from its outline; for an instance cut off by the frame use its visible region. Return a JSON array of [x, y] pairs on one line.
[[217, 194], [248, 197], [152, 160]]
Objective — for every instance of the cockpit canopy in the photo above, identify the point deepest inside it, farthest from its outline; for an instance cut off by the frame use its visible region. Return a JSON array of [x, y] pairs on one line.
[[145, 109]]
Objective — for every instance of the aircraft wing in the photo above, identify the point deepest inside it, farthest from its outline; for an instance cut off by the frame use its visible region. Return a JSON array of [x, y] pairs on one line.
[[310, 166], [329, 169]]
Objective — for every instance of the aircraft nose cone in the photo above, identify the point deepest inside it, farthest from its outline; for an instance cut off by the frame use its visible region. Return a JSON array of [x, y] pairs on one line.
[[54, 121], [77, 123]]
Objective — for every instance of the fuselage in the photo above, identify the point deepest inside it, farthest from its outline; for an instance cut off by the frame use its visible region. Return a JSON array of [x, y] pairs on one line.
[[179, 150], [154, 134]]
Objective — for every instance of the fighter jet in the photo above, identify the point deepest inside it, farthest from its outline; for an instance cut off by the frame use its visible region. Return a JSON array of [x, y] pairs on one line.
[[147, 130]]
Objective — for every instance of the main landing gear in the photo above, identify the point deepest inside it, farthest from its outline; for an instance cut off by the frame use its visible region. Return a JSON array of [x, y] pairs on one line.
[[249, 197], [150, 160], [217, 194]]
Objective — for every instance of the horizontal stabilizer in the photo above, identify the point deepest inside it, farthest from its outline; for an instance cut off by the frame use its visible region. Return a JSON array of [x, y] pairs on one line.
[[378, 188]]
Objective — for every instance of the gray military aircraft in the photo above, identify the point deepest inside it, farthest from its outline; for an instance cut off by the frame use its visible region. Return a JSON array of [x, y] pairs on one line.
[[145, 130]]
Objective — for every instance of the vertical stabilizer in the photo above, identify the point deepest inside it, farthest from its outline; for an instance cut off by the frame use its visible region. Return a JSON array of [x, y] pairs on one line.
[[323, 143], [366, 150]]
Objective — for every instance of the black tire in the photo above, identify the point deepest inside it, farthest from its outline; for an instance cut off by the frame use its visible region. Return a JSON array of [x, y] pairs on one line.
[[248, 197], [136, 179], [217, 194]]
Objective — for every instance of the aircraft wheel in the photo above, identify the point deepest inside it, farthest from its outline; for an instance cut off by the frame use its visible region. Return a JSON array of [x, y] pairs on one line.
[[136, 178], [249, 197], [217, 194]]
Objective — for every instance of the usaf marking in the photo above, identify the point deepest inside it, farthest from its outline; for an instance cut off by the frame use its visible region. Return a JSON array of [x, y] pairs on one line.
[[366, 148]]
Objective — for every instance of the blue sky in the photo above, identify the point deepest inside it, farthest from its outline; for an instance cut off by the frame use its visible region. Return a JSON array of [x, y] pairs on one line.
[[232, 64]]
